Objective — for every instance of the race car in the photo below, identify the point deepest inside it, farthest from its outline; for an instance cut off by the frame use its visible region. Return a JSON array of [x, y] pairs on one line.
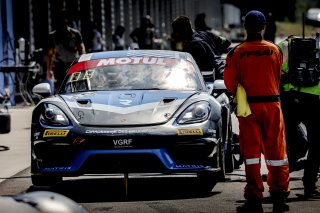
[[131, 111]]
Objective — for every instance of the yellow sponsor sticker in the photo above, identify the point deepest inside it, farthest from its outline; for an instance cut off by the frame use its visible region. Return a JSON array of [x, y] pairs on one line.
[[190, 132], [55, 133]]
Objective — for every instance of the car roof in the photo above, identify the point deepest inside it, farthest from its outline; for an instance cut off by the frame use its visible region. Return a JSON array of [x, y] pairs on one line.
[[136, 53]]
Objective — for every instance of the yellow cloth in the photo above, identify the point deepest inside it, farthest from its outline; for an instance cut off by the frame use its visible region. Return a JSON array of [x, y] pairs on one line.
[[243, 109]]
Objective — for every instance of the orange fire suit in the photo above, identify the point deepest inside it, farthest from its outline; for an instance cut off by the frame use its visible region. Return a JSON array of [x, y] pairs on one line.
[[256, 65]]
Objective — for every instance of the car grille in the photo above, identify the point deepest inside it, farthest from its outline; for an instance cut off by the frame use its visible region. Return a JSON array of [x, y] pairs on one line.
[[122, 163]]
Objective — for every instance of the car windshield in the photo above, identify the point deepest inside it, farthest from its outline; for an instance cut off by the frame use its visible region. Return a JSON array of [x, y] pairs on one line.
[[127, 74]]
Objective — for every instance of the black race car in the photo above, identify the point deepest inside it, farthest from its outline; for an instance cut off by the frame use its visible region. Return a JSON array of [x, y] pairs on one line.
[[132, 111]]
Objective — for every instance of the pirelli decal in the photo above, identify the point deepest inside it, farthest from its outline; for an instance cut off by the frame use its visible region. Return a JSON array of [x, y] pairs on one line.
[[55, 133], [190, 132]]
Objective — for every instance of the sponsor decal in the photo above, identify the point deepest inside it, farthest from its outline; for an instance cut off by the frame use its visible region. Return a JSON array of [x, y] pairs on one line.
[[55, 133], [88, 74], [89, 64], [78, 141], [212, 130], [266, 52], [196, 131], [75, 76], [78, 76], [58, 168], [85, 57], [132, 60], [122, 143], [80, 115], [124, 131], [191, 166]]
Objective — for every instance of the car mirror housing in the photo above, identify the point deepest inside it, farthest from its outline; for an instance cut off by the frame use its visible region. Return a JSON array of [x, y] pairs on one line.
[[218, 87], [42, 90], [208, 76]]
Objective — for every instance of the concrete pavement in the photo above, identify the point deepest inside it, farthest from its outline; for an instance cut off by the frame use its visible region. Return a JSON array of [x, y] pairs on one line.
[[14, 150]]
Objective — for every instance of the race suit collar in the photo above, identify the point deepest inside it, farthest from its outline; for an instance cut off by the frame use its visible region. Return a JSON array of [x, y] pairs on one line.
[[254, 37]]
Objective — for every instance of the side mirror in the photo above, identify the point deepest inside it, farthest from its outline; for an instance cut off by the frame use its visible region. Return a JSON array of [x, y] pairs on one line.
[[42, 90], [208, 76], [218, 87], [220, 92]]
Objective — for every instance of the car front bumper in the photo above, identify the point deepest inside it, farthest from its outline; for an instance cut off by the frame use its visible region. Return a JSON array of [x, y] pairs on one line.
[[140, 150]]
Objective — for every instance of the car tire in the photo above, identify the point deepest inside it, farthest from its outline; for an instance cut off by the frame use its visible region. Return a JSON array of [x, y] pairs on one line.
[[222, 164], [227, 135], [5, 122], [229, 156], [45, 180], [221, 157], [208, 179]]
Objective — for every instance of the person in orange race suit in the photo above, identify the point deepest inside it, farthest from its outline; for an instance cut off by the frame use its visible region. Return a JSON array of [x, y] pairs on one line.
[[256, 65]]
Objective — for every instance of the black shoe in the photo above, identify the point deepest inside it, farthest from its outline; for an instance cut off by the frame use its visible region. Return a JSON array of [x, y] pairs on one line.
[[313, 192], [280, 207], [251, 207], [279, 203]]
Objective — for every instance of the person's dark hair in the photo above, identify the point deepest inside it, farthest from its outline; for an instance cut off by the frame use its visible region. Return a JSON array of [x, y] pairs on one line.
[[119, 30], [62, 19], [181, 27], [146, 22], [200, 22], [254, 21]]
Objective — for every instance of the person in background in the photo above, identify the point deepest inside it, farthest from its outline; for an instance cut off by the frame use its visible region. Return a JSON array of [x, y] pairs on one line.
[[117, 38], [221, 42], [65, 44], [205, 48], [95, 40], [256, 65], [271, 28], [201, 25], [144, 34], [301, 105]]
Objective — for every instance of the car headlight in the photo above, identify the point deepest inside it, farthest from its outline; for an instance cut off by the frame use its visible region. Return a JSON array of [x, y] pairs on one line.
[[195, 113], [53, 116]]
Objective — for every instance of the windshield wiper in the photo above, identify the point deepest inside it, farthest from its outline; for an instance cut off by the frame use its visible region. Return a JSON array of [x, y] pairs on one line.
[[154, 88]]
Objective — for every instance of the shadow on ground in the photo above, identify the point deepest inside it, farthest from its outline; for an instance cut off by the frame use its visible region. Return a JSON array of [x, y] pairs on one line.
[[139, 189]]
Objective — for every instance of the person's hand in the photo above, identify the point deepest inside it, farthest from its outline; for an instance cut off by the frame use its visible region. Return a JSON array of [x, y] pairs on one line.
[[50, 75]]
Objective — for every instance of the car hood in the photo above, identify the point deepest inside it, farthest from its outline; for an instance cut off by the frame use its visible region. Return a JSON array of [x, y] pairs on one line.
[[138, 107]]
